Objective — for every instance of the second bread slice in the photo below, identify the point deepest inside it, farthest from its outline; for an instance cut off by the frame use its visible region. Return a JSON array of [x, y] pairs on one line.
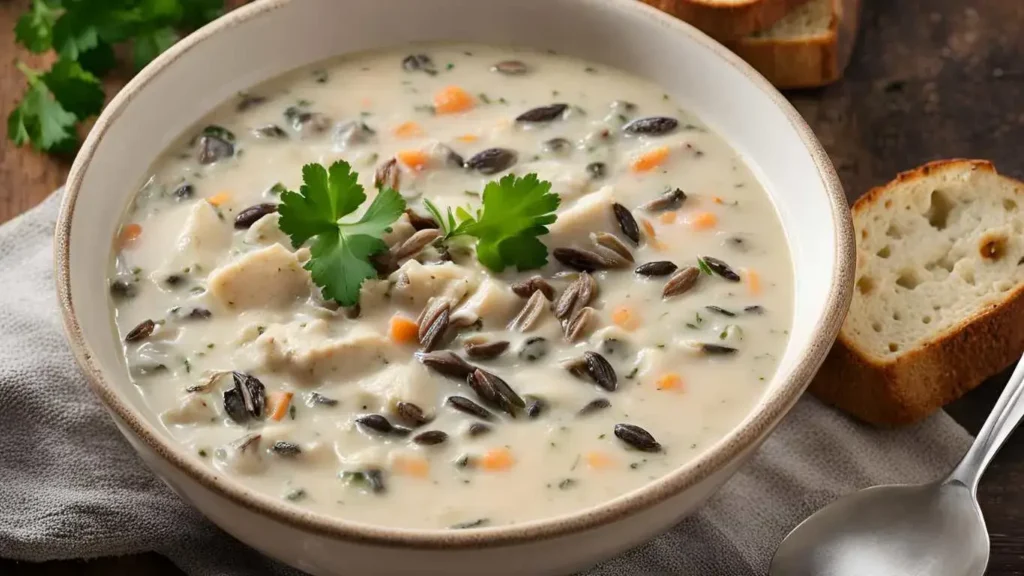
[[728, 20], [938, 305], [809, 47]]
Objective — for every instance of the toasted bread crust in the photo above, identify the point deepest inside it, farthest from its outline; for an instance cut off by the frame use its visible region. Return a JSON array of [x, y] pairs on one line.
[[956, 164], [909, 387], [727, 22], [805, 62]]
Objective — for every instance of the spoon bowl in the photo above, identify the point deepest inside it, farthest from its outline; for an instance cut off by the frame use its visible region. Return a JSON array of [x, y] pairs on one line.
[[907, 530]]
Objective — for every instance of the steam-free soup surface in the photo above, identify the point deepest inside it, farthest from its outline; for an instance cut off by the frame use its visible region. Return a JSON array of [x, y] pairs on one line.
[[219, 315]]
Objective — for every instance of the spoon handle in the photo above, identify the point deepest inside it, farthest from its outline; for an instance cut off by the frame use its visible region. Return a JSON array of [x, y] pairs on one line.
[[1005, 416]]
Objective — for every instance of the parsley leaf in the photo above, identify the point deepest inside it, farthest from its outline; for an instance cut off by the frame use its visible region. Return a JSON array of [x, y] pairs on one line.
[[516, 211], [449, 226], [78, 91], [34, 29], [39, 118], [75, 32], [340, 254], [149, 45]]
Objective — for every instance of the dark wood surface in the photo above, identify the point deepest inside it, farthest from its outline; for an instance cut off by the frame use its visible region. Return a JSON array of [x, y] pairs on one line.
[[929, 79]]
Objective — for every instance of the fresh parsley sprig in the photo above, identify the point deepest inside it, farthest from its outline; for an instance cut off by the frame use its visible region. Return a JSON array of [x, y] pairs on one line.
[[341, 251], [84, 34], [516, 212]]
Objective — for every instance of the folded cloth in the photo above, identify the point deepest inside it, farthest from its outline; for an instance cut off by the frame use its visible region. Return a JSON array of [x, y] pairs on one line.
[[71, 487]]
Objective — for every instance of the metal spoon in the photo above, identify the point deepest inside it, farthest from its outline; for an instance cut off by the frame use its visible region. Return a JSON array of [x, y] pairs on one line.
[[931, 529]]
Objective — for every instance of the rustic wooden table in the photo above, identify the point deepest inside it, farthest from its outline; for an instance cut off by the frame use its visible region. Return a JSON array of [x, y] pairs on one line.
[[929, 79]]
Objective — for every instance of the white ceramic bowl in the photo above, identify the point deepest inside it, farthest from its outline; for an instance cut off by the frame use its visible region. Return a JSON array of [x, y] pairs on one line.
[[266, 38]]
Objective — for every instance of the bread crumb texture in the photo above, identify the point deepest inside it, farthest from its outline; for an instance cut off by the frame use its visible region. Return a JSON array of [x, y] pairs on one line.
[[935, 249], [807, 20]]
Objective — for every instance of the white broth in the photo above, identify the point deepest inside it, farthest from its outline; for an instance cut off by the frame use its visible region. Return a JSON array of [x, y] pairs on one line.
[[204, 282]]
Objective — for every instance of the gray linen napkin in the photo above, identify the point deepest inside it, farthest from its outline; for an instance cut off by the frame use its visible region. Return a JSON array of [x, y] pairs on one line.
[[70, 487]]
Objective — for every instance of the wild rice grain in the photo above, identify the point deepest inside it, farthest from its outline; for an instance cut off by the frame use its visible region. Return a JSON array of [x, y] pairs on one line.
[[530, 313], [637, 437], [534, 284], [140, 332], [600, 370], [435, 330], [612, 242], [446, 363], [430, 438], [467, 406], [576, 326], [681, 282], [486, 351], [627, 223], [721, 268], [594, 406], [411, 414], [658, 268]]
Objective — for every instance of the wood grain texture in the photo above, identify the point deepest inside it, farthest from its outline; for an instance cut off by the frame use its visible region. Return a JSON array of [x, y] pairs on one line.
[[929, 79]]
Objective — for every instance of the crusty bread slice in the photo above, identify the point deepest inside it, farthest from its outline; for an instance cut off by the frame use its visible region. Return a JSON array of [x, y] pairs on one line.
[[728, 20], [938, 305], [809, 47]]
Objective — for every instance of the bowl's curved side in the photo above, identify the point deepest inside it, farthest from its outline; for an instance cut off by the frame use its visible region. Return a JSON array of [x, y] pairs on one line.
[[231, 54], [321, 554]]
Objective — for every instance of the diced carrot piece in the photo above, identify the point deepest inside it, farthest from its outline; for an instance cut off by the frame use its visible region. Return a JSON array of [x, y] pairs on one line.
[[670, 381], [626, 318], [128, 235], [648, 228], [414, 159], [649, 160], [452, 99], [468, 138], [403, 330], [652, 236], [702, 220], [599, 460], [717, 200], [415, 466], [219, 198], [667, 217], [753, 281], [278, 404], [497, 460], [408, 130]]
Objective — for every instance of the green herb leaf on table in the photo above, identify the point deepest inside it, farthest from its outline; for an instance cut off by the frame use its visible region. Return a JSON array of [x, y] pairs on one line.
[[40, 118], [75, 31], [34, 29], [150, 44], [78, 90], [341, 251]]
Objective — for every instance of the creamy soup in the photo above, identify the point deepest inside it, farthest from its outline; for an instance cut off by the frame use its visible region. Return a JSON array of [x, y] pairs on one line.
[[451, 395]]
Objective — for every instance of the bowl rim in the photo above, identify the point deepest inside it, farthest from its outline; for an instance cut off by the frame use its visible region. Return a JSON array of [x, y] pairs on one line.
[[745, 436]]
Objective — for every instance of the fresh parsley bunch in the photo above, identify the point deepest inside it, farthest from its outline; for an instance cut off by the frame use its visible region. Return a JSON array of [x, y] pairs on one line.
[[516, 211], [84, 34]]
